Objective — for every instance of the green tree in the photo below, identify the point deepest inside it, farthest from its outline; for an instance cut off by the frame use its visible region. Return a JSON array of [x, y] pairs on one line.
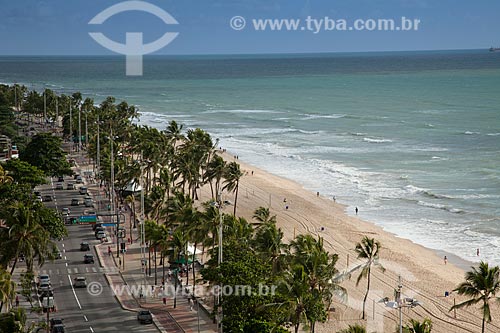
[[368, 250], [415, 326], [481, 285], [45, 152], [232, 177], [356, 328], [7, 288], [22, 172]]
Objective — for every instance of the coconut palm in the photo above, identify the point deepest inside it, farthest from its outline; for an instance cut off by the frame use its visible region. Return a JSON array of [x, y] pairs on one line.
[[414, 326], [356, 328], [268, 242], [481, 285], [4, 178], [232, 176], [368, 250], [214, 174], [7, 288], [263, 216]]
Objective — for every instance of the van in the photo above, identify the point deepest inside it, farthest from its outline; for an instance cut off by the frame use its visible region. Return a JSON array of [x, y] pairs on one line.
[[88, 202]]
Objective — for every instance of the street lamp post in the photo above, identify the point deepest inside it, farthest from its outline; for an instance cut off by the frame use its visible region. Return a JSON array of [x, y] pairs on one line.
[[400, 303]]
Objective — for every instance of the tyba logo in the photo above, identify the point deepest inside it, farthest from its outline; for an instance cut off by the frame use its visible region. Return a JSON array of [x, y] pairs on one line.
[[134, 48]]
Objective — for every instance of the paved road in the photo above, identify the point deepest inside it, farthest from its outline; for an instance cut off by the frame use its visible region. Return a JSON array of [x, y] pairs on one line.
[[82, 311]]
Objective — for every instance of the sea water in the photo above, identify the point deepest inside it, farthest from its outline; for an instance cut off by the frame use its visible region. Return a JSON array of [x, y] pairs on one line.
[[411, 139]]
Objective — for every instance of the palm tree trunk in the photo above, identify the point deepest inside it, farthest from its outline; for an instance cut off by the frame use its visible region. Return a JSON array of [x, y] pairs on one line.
[[367, 291], [156, 271], [482, 327], [13, 267], [236, 198], [194, 257]]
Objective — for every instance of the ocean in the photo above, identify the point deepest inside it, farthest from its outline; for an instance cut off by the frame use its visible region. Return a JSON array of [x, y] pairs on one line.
[[410, 138]]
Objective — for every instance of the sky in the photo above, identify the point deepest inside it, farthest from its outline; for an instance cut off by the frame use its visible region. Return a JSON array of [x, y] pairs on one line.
[[60, 27]]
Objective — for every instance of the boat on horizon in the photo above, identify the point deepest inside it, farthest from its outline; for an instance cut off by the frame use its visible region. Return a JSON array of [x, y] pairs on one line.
[[494, 49]]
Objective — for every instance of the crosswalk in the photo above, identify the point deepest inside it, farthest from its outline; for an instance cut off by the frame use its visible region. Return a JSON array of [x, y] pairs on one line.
[[76, 270]]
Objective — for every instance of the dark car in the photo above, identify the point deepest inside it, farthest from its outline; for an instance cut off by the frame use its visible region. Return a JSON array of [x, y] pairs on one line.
[[58, 329], [96, 225], [47, 198], [60, 179], [75, 202], [144, 317], [55, 322], [84, 246], [88, 259]]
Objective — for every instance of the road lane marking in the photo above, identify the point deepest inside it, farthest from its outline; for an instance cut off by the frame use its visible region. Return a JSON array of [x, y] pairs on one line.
[[74, 293], [85, 317], [91, 329], [62, 244], [66, 259], [64, 250]]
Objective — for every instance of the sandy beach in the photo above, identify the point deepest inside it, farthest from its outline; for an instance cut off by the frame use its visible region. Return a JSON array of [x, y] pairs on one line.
[[424, 274]]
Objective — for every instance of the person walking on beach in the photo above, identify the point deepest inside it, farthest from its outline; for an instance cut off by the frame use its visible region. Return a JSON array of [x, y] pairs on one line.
[[356, 210], [477, 252], [445, 260]]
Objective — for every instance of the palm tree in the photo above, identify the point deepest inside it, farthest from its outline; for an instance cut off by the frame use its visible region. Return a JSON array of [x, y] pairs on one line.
[[232, 177], [356, 328], [414, 326], [368, 249], [7, 288], [268, 242], [481, 285], [4, 178], [214, 174], [263, 216]]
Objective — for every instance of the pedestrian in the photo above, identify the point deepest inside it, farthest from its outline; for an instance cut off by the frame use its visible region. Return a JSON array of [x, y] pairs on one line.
[[109, 250], [334, 199], [190, 304], [445, 260], [317, 194], [356, 210], [477, 252], [286, 207], [17, 300]]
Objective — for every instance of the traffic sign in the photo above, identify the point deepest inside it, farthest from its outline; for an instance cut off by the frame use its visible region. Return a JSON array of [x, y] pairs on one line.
[[109, 224], [87, 219]]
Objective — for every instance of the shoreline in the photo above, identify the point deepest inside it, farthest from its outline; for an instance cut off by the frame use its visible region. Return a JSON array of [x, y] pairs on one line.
[[423, 271]]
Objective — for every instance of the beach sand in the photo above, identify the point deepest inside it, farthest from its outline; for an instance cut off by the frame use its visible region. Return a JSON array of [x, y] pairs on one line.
[[424, 274]]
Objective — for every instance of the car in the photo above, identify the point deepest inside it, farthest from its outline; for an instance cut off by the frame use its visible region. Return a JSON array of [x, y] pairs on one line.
[[59, 186], [100, 235], [145, 317], [65, 211], [57, 254], [43, 278], [89, 212], [58, 329], [88, 202], [80, 282], [98, 229], [37, 193], [76, 175], [84, 246], [97, 225], [88, 259], [47, 198], [75, 202], [60, 178], [79, 179], [70, 186], [83, 190], [45, 287], [55, 322], [46, 293], [39, 198]]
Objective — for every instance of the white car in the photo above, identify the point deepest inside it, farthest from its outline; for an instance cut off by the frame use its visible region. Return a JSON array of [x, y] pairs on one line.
[[43, 278], [44, 287], [80, 282], [101, 235], [83, 190], [65, 211]]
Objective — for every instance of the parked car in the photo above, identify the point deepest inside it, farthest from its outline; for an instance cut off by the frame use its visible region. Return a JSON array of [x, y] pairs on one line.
[[88, 259], [80, 282], [70, 186], [145, 317], [84, 246], [47, 198], [75, 202]]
